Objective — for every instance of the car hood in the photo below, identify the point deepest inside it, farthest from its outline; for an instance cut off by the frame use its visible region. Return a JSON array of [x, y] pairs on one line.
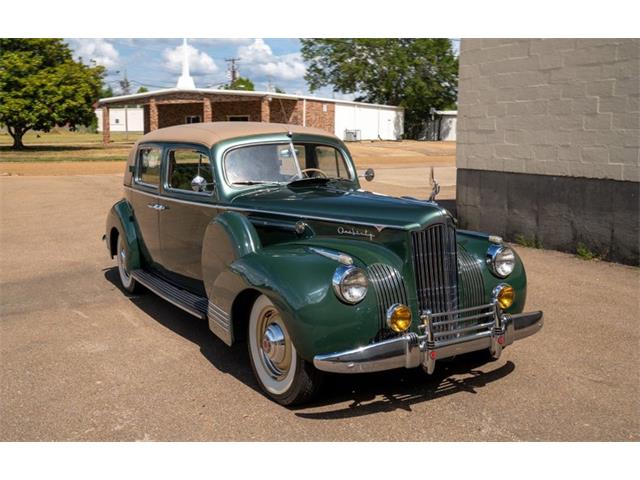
[[344, 206]]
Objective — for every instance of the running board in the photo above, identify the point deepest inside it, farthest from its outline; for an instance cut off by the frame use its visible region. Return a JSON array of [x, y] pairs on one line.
[[187, 301]]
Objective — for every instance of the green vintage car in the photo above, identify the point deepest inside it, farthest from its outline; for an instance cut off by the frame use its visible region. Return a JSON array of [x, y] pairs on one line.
[[264, 231]]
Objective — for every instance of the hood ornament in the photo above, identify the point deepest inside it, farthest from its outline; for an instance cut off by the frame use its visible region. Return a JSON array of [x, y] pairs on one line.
[[435, 186]]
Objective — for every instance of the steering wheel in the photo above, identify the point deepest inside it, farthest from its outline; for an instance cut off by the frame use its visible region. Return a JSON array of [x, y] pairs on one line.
[[305, 170]]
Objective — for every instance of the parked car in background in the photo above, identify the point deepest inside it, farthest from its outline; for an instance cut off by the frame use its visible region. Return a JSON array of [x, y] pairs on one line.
[[264, 231]]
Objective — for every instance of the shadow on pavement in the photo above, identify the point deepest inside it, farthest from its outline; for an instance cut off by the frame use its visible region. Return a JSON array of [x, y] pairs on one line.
[[399, 389], [367, 393], [230, 360]]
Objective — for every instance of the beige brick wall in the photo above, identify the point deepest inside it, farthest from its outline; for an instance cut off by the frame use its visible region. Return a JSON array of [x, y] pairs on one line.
[[566, 107]]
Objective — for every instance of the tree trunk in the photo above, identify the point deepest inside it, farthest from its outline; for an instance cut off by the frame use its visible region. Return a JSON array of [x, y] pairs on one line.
[[17, 133]]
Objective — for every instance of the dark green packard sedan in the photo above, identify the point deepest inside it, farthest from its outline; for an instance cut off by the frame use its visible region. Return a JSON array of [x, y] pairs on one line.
[[263, 230]]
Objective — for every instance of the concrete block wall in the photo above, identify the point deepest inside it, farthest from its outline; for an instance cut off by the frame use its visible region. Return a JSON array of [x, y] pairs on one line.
[[543, 108]]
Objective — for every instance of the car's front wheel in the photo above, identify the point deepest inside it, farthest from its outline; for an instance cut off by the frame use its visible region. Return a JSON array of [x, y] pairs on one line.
[[280, 371]]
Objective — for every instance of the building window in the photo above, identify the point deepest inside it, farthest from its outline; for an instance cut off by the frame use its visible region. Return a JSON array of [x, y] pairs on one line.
[[238, 118], [192, 119], [116, 121]]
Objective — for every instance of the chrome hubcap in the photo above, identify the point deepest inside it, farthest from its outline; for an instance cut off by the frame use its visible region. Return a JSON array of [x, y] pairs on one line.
[[275, 349], [273, 343], [122, 263]]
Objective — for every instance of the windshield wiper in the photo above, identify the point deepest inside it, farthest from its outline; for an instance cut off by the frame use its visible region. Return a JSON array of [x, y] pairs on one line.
[[254, 182]]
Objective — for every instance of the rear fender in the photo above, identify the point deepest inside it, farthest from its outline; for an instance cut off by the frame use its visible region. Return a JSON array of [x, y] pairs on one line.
[[121, 219]]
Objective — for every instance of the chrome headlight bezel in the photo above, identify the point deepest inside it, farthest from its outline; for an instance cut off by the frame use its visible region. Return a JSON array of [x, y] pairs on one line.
[[340, 282], [501, 260]]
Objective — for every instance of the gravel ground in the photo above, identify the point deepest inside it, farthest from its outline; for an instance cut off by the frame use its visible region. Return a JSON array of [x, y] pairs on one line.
[[80, 360]]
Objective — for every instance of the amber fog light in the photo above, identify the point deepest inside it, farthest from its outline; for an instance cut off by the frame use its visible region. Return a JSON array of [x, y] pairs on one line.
[[505, 295], [399, 318]]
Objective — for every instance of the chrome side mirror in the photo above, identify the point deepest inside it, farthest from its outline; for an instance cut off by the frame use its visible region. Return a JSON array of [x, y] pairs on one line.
[[198, 184], [369, 175]]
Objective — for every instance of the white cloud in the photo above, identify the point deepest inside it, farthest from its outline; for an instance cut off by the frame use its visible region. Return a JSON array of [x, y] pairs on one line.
[[199, 62], [97, 49], [217, 42], [258, 59]]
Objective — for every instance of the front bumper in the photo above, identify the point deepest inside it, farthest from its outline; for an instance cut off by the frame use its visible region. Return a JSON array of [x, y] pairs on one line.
[[438, 339]]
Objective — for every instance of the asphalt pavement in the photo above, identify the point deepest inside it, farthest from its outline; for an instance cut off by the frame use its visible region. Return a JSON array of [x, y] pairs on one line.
[[81, 360]]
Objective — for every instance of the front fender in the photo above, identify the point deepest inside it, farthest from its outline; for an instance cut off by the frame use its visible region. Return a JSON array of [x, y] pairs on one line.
[[477, 245], [121, 218], [299, 284]]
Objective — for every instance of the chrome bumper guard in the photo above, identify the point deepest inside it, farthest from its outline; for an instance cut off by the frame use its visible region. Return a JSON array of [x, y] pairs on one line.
[[412, 349]]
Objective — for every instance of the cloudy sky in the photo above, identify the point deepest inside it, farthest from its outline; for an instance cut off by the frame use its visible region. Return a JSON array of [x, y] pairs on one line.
[[156, 63]]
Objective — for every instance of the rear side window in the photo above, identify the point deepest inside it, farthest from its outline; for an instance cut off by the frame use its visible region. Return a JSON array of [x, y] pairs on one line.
[[148, 169], [185, 164]]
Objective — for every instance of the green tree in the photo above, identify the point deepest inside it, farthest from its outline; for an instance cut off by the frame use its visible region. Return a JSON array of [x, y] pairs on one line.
[[41, 86], [277, 89], [415, 73], [106, 91], [240, 83], [142, 89]]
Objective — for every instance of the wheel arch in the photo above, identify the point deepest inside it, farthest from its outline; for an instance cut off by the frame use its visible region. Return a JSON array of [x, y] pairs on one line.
[[121, 221]]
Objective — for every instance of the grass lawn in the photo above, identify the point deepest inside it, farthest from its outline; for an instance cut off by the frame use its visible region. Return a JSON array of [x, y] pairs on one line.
[[64, 146]]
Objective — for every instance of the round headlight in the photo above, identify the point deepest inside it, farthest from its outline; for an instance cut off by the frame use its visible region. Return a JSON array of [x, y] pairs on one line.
[[501, 259], [350, 284], [399, 318], [505, 295]]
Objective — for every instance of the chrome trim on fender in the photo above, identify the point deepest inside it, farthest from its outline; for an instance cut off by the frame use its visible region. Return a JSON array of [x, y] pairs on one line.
[[339, 257], [412, 350]]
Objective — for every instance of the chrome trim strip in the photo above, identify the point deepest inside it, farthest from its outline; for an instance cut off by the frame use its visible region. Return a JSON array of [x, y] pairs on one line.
[[222, 206], [220, 323], [340, 257], [156, 288]]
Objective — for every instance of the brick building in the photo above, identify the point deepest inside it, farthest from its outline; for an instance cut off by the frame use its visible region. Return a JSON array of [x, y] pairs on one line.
[[549, 142], [175, 106]]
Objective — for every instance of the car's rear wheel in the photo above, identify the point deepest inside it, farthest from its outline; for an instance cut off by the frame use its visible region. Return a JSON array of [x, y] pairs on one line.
[[280, 371], [127, 281]]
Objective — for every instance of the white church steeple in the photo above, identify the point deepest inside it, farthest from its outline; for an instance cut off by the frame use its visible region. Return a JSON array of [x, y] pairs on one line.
[[185, 81]]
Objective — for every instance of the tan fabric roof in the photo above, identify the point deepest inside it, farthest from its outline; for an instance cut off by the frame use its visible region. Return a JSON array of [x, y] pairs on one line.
[[211, 133]]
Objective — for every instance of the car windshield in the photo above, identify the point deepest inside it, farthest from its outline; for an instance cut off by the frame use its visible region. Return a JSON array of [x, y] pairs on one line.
[[276, 163]]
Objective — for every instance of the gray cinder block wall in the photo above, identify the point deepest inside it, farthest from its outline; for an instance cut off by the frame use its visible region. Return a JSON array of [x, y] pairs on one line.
[[549, 142]]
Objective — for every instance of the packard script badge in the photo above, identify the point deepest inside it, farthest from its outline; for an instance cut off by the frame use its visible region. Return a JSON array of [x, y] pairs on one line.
[[355, 232]]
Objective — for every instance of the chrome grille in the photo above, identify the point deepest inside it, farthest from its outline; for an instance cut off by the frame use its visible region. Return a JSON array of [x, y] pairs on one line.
[[436, 271], [389, 287], [470, 283], [435, 264]]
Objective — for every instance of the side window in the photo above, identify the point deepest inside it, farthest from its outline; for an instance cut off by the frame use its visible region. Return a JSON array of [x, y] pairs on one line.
[[185, 164], [331, 162], [148, 168]]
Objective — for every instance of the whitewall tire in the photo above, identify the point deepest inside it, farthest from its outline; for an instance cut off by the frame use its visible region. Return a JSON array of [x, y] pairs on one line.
[[280, 371]]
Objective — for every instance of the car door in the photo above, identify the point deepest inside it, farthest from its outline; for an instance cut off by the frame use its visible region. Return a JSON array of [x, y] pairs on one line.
[[144, 197], [187, 212]]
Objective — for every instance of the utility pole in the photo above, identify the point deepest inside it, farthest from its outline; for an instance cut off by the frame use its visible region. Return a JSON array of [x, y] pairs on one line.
[[233, 68], [125, 85]]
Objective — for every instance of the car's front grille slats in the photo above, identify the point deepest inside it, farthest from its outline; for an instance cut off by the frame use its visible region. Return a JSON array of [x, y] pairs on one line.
[[470, 280], [435, 264], [389, 288]]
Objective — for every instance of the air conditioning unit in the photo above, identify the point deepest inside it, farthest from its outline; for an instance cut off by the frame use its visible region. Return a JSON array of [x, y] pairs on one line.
[[352, 136]]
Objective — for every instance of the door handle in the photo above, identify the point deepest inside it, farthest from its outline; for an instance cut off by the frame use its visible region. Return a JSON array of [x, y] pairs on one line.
[[157, 206]]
